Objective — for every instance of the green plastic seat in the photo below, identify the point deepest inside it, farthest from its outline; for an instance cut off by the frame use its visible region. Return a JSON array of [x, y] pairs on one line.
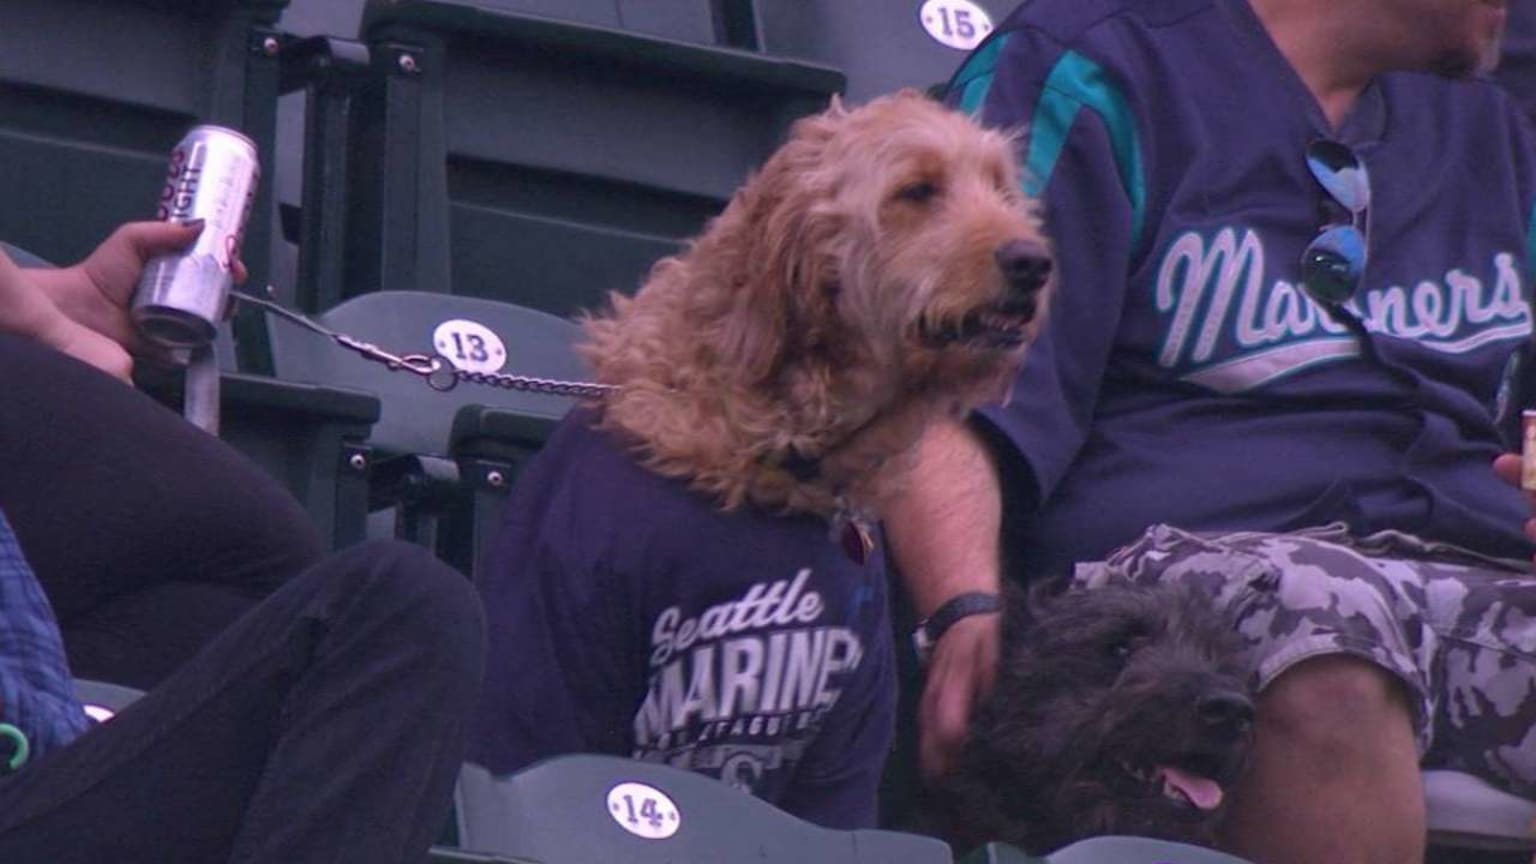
[[101, 698], [881, 45], [586, 808], [414, 418], [1106, 850], [94, 94], [442, 460], [308, 437], [516, 156]]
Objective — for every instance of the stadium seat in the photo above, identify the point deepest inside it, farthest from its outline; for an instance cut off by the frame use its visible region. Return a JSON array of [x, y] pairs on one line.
[[1465, 812], [549, 161], [22, 257], [1106, 850], [585, 808], [447, 855], [94, 93], [415, 468], [102, 700], [685, 20], [880, 45], [308, 437]]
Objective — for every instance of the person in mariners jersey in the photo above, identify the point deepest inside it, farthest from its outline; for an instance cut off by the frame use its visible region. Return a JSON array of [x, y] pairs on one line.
[[1293, 244]]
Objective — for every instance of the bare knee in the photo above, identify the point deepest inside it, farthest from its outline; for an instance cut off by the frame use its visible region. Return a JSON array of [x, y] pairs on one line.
[[1334, 706]]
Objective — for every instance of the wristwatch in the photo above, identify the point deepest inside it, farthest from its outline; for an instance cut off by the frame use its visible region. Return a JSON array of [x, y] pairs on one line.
[[960, 606]]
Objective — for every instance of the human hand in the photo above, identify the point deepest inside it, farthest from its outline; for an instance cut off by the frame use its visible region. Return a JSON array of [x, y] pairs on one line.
[[960, 674], [95, 293], [1509, 467], [86, 345]]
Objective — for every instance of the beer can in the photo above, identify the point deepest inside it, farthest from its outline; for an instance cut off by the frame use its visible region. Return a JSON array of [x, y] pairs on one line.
[[182, 297], [1528, 450]]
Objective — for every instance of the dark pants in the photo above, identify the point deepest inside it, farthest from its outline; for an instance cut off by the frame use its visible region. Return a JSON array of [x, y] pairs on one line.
[[325, 726], [149, 535]]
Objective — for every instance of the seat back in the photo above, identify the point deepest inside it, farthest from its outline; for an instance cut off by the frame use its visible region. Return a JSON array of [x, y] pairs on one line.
[[1106, 850], [550, 161], [93, 95], [102, 700], [23, 258], [1466, 812], [881, 45], [481, 334], [685, 20], [584, 808]]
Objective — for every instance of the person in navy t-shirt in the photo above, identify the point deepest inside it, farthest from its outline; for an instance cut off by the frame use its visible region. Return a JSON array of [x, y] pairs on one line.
[[1293, 239]]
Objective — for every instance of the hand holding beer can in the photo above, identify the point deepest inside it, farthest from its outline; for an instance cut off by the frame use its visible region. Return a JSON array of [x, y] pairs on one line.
[[182, 297]]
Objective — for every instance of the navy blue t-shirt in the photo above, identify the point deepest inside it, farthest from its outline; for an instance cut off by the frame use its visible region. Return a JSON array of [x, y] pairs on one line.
[[1183, 375], [627, 615]]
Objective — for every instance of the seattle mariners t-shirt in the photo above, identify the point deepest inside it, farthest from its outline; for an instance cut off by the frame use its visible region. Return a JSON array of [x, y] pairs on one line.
[[627, 615], [1184, 375]]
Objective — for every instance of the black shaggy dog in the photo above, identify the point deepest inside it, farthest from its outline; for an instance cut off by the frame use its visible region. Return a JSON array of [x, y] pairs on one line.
[[1117, 710]]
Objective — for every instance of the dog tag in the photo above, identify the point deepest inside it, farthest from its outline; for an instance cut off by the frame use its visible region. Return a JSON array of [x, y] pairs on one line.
[[856, 542]]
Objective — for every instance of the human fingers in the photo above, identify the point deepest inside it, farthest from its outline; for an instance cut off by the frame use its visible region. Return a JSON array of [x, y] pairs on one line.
[[1508, 467], [960, 673], [114, 267]]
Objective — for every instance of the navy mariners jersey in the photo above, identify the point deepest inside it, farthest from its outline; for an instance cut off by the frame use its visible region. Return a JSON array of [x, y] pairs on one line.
[[627, 615], [1184, 376], [1517, 67]]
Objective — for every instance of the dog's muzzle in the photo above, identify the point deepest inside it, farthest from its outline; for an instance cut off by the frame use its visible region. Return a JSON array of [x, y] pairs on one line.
[[1026, 267]]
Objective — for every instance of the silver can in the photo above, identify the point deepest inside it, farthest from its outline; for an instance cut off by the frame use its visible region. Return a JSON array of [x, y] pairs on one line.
[[182, 297]]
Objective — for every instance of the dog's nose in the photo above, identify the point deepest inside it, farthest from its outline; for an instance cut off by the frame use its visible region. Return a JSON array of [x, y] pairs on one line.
[[1026, 264], [1226, 708]]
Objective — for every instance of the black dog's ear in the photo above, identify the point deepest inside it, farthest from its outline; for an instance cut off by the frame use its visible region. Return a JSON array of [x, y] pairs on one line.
[[1027, 604], [1043, 590]]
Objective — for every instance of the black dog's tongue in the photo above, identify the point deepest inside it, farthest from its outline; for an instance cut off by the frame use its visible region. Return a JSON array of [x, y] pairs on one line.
[[1202, 792]]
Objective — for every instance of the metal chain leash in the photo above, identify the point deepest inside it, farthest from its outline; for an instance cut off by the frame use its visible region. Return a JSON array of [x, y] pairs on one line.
[[438, 371]]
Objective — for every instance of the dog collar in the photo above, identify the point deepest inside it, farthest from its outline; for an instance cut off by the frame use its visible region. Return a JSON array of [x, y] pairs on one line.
[[931, 629]]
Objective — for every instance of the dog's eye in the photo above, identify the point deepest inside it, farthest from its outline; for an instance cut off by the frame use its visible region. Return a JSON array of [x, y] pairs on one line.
[[1125, 644], [918, 193]]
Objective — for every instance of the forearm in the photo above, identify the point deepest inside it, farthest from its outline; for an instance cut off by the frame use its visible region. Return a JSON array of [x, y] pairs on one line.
[[944, 526]]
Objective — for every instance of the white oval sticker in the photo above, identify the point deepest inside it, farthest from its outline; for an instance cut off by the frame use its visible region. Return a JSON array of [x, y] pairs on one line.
[[644, 811], [960, 24], [470, 345]]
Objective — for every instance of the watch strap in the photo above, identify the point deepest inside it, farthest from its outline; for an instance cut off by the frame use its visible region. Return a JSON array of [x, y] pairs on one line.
[[930, 629]]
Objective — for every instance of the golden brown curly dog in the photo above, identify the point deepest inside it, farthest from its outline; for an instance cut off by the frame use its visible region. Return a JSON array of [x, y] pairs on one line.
[[882, 267]]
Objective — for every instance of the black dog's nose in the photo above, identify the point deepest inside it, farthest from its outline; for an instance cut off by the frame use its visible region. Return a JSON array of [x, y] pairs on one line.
[[1026, 265], [1225, 708]]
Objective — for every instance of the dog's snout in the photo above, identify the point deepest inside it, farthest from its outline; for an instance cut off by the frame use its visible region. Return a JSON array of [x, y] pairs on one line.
[[1026, 264], [1226, 708]]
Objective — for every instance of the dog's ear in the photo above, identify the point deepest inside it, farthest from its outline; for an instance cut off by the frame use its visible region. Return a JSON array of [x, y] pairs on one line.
[[1042, 593], [781, 230]]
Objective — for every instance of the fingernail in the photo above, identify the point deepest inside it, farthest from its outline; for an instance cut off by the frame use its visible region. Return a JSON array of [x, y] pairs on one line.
[[196, 223]]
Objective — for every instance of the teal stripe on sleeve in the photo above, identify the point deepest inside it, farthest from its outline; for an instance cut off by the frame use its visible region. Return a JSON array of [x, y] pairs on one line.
[[1075, 83], [974, 78]]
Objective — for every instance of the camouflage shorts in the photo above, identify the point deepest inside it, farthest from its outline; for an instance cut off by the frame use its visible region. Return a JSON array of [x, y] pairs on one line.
[[1457, 628]]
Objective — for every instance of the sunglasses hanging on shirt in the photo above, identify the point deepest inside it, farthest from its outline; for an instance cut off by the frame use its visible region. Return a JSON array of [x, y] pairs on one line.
[[1333, 264]]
